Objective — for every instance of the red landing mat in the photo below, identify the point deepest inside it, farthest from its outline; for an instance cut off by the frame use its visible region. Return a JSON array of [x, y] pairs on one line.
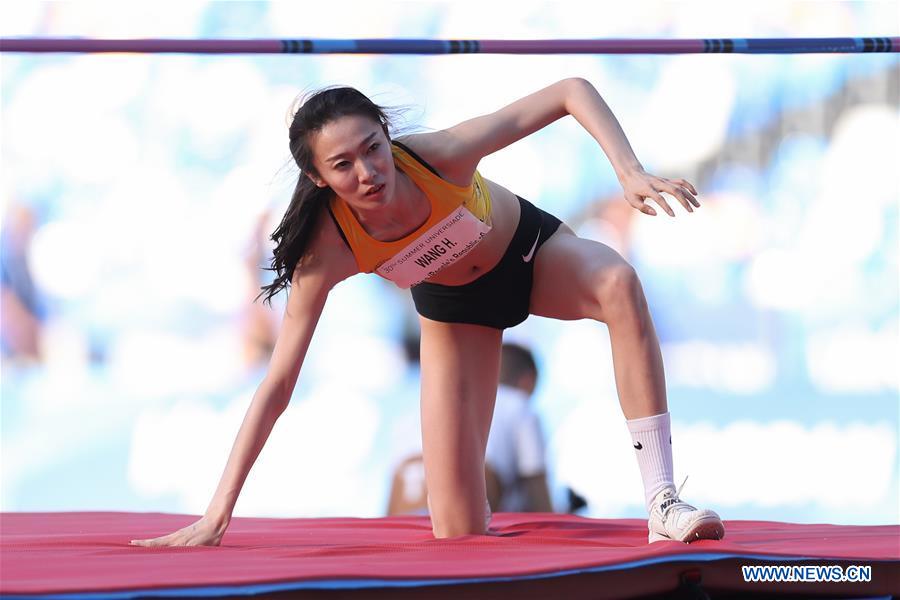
[[87, 555]]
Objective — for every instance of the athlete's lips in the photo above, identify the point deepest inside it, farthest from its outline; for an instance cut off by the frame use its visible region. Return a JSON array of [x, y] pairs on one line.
[[375, 189]]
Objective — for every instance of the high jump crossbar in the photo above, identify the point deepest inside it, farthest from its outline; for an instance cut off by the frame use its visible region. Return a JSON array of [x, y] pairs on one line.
[[431, 46]]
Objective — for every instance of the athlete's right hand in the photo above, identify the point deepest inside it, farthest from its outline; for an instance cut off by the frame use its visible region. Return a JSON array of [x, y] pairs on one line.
[[205, 532]]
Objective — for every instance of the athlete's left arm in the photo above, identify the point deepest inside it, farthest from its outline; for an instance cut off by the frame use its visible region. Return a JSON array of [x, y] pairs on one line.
[[465, 144]]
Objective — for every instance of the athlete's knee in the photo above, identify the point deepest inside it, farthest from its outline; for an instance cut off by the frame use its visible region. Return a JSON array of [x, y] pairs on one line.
[[458, 516], [619, 291]]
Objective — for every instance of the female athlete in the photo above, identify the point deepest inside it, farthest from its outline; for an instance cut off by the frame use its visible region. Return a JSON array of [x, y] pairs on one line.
[[478, 259]]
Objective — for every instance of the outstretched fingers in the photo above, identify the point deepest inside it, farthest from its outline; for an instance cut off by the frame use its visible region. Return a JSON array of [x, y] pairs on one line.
[[639, 185], [656, 195], [680, 189], [637, 201], [683, 191]]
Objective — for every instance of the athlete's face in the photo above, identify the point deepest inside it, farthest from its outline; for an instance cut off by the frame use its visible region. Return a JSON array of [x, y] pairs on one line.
[[353, 157]]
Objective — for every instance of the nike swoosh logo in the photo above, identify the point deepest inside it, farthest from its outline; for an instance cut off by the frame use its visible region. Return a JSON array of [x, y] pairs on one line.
[[638, 446], [527, 257]]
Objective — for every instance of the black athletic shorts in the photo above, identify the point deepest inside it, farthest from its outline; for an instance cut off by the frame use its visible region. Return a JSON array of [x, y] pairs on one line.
[[501, 297]]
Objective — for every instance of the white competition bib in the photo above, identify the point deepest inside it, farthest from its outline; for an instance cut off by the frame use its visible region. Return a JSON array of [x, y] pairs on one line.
[[445, 242]]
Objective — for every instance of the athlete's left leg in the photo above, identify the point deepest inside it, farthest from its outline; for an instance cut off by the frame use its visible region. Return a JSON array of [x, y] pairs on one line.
[[576, 278]]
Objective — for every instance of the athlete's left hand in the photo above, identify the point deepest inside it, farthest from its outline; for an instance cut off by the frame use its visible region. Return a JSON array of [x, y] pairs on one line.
[[638, 184]]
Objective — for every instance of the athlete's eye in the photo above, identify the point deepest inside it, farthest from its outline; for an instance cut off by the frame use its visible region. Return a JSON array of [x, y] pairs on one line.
[[341, 164], [374, 147]]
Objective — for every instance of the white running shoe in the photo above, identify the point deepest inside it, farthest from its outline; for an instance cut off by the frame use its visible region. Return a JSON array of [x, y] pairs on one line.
[[673, 519]]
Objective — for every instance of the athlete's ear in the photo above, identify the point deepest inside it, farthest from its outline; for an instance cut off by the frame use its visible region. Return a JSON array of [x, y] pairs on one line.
[[316, 180]]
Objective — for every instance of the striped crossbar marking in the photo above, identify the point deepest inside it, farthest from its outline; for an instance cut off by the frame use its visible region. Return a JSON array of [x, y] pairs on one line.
[[429, 46]]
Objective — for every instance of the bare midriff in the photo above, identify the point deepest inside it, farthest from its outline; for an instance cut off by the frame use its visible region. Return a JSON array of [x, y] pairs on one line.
[[489, 251]]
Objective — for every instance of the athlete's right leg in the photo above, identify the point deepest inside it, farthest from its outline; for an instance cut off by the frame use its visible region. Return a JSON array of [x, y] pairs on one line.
[[597, 283], [460, 369]]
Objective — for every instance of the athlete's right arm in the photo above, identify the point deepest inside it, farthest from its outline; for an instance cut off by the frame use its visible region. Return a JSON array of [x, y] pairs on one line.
[[327, 262]]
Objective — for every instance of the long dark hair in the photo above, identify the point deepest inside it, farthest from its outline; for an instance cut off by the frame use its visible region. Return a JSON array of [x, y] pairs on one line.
[[292, 235]]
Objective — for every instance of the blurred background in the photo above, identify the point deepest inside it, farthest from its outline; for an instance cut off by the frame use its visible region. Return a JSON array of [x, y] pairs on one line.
[[138, 193]]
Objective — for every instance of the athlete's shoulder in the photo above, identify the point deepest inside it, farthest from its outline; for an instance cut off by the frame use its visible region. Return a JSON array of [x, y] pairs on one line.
[[438, 150], [328, 259]]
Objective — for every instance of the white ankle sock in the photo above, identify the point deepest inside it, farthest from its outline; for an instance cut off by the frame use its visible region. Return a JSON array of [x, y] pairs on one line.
[[652, 441]]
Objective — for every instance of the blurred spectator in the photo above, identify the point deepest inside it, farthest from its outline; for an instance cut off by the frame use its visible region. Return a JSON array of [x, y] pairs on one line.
[[515, 448], [21, 308], [408, 491], [515, 470]]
